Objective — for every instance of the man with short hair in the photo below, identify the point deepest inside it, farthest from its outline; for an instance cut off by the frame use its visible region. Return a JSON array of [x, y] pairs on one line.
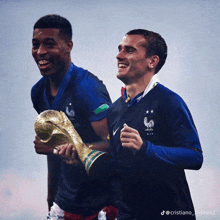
[[152, 135], [72, 194]]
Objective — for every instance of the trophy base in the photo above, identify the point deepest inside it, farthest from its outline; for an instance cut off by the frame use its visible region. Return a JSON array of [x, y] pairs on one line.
[[97, 163]]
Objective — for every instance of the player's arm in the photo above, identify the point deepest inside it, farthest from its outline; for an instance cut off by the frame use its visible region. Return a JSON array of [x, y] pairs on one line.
[[181, 156], [54, 164], [40, 148], [184, 151], [101, 129]]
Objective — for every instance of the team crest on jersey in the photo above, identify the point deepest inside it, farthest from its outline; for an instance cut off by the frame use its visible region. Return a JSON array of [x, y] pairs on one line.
[[69, 110], [149, 124]]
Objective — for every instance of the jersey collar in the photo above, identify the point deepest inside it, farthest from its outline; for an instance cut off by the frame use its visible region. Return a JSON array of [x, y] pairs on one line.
[[154, 81], [61, 90]]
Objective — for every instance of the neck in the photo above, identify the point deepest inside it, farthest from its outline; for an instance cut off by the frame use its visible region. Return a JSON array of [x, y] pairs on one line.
[[136, 88], [54, 86], [56, 79]]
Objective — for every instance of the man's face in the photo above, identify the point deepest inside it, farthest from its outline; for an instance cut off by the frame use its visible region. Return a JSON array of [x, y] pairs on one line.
[[132, 60], [50, 51]]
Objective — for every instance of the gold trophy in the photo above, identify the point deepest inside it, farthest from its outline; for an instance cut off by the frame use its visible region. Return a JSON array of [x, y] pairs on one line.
[[55, 129]]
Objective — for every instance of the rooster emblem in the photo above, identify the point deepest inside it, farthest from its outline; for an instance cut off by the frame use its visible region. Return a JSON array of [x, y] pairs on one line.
[[70, 112], [149, 124]]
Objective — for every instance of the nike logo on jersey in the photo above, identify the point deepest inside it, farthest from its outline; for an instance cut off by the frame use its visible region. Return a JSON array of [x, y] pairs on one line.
[[114, 132]]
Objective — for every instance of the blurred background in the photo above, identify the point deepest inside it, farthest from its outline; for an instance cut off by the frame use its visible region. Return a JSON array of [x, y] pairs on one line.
[[192, 32]]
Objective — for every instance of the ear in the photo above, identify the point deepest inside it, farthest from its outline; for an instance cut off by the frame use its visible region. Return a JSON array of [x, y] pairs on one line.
[[70, 45], [154, 60]]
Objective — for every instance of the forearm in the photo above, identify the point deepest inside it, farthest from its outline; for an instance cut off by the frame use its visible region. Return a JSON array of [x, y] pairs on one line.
[[101, 129], [179, 141], [179, 157], [100, 146]]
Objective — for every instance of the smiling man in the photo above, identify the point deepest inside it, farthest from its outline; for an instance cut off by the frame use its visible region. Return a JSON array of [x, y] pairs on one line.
[[152, 136], [72, 194], [51, 51]]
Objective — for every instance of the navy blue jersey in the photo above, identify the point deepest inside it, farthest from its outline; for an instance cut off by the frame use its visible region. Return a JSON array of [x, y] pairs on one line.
[[152, 180], [79, 96]]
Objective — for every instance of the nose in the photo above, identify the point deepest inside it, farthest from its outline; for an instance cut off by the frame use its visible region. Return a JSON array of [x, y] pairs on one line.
[[120, 55], [41, 50]]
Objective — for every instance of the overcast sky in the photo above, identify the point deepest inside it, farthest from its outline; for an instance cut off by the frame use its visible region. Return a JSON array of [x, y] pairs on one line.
[[192, 32]]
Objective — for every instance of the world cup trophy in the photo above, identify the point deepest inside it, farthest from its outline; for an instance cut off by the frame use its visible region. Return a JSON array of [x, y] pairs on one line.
[[55, 129]]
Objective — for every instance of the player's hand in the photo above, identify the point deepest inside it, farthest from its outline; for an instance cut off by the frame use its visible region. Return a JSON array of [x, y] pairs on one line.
[[68, 153], [40, 148], [130, 138]]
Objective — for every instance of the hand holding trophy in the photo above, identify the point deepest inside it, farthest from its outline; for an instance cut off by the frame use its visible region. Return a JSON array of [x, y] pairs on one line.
[[55, 129]]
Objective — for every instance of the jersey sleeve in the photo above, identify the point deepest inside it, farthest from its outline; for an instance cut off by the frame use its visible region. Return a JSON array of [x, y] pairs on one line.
[[179, 157], [95, 97], [36, 94], [184, 150]]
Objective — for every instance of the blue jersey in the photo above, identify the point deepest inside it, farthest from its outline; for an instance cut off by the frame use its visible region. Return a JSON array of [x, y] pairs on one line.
[[79, 96], [152, 180]]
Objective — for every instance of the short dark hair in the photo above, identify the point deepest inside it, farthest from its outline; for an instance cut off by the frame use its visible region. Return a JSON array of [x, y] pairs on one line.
[[55, 21], [155, 45]]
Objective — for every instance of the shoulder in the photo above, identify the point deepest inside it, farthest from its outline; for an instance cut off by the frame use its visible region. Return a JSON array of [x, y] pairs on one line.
[[37, 94], [161, 89], [115, 107], [86, 79], [171, 104], [116, 103], [167, 96], [38, 88], [82, 75], [86, 83]]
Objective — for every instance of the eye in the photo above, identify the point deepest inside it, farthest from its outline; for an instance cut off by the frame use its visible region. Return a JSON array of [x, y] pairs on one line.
[[130, 49], [119, 49], [35, 45], [50, 44]]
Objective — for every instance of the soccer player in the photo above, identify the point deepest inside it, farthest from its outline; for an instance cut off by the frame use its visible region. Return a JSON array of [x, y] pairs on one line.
[[72, 194], [153, 138]]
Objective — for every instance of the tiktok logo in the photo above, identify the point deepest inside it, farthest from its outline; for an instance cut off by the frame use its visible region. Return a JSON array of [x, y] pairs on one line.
[[163, 212]]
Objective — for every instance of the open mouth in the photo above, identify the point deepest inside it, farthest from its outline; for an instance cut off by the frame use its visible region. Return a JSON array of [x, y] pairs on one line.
[[121, 65], [43, 64]]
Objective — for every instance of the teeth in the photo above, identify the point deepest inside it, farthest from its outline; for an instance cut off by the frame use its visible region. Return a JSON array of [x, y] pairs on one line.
[[43, 62], [120, 65]]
